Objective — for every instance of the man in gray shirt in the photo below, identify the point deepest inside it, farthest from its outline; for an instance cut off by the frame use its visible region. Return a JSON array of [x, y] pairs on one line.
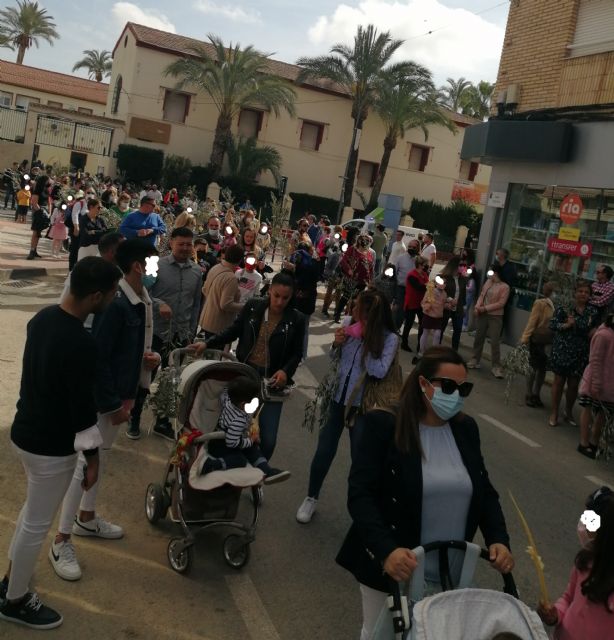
[[404, 263], [176, 295]]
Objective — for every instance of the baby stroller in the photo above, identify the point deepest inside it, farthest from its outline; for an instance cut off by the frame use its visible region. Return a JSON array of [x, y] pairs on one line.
[[460, 614], [211, 500]]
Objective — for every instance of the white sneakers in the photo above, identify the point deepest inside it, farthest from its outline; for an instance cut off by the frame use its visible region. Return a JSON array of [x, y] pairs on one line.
[[498, 372], [64, 560], [473, 364], [306, 510], [97, 527]]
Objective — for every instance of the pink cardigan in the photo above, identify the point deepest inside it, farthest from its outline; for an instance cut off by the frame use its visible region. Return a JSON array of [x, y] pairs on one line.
[[498, 293], [597, 379], [579, 618]]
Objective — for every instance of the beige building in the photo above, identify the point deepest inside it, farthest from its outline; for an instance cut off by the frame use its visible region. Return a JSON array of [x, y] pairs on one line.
[[57, 118], [313, 145], [549, 142]]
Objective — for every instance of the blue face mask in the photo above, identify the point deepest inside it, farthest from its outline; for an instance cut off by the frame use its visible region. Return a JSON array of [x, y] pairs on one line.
[[148, 280], [446, 405]]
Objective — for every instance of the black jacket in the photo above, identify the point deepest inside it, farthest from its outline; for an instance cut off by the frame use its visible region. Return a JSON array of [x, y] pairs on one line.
[[462, 293], [385, 498], [285, 343], [90, 231]]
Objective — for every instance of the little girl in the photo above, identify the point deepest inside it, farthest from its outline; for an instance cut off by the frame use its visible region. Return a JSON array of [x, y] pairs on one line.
[[433, 305], [58, 232], [586, 609]]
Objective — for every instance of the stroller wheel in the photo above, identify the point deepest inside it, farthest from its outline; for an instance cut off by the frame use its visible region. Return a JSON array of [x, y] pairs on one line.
[[156, 503], [180, 555], [236, 551]]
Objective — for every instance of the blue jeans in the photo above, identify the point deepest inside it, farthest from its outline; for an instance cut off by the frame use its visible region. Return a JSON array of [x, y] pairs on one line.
[[268, 419], [328, 441]]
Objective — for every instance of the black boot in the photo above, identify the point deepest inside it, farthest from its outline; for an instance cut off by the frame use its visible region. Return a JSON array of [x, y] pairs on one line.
[[405, 346]]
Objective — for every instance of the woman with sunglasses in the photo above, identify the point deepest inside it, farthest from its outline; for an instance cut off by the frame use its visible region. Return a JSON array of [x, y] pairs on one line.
[[92, 227], [418, 476]]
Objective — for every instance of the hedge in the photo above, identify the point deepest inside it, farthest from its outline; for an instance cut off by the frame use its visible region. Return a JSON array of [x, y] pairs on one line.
[[139, 164]]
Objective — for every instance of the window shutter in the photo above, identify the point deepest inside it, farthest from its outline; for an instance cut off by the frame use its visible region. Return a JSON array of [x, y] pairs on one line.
[[320, 136], [473, 170], [425, 158], [260, 120], [374, 174], [188, 99], [594, 28]]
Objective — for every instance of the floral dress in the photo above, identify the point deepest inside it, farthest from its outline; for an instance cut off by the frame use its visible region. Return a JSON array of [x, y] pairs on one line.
[[570, 347]]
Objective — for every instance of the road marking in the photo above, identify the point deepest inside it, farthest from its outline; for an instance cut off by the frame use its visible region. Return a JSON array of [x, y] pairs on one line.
[[598, 481], [251, 608], [510, 431], [142, 454]]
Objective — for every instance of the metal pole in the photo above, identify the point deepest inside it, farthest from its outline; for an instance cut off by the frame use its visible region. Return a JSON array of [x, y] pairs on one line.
[[345, 175]]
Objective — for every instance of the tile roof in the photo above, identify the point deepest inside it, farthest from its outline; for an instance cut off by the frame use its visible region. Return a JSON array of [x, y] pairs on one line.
[[182, 45], [20, 75]]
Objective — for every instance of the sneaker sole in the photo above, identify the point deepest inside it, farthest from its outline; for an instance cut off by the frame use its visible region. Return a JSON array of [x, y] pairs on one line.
[[280, 477], [68, 578], [133, 436], [303, 521], [42, 627], [85, 533]]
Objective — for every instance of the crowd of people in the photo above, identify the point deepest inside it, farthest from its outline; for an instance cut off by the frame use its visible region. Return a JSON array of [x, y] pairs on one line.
[[155, 283]]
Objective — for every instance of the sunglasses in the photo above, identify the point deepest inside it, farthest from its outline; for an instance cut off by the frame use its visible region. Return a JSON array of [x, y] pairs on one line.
[[449, 386]]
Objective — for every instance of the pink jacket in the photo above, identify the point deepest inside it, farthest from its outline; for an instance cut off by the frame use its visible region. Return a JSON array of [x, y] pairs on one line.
[[495, 294], [597, 379], [579, 617], [435, 308]]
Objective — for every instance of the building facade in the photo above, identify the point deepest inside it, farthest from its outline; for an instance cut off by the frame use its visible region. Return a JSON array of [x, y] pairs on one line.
[[549, 142], [313, 145]]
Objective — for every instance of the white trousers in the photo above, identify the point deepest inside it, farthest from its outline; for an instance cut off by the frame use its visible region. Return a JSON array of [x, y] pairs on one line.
[[76, 498], [372, 603], [48, 478], [92, 250]]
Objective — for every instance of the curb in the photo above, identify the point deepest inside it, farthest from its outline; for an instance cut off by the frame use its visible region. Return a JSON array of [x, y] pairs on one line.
[[25, 273]]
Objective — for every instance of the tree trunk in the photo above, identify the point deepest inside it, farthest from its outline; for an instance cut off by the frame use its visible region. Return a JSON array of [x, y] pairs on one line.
[[98, 76], [21, 52], [389, 145], [220, 143]]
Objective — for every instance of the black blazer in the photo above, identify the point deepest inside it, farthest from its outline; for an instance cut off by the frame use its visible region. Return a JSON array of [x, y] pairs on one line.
[[462, 293], [385, 497]]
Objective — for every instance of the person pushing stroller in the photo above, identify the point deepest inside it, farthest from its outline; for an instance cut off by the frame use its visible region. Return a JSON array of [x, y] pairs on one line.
[[240, 401]]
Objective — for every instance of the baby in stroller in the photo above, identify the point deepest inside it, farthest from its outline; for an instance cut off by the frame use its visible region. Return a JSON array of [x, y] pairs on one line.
[[240, 402]]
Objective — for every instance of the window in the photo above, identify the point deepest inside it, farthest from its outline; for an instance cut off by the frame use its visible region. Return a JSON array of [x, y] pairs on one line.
[[125, 41], [176, 106], [116, 93], [311, 135], [418, 157], [85, 111], [594, 28], [367, 173], [250, 123], [468, 170], [22, 102], [53, 103], [6, 99]]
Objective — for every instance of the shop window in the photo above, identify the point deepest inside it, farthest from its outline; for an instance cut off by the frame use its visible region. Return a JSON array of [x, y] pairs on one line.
[[176, 106], [468, 170], [117, 89], [594, 28], [367, 173], [6, 99], [53, 103], [418, 157], [312, 134], [250, 123], [22, 102], [85, 111]]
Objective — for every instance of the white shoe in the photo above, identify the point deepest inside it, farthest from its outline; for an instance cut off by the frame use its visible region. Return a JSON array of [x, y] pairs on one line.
[[498, 372], [473, 364], [98, 527], [64, 560], [306, 510]]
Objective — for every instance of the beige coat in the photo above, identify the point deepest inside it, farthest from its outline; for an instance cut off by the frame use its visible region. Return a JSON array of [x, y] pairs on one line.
[[222, 296], [540, 317]]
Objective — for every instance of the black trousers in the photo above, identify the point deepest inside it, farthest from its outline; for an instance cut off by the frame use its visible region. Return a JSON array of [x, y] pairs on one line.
[[237, 458], [73, 251]]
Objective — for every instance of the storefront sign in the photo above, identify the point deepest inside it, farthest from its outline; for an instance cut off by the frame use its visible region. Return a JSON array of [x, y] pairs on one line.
[[469, 191], [496, 199], [569, 233], [571, 208], [570, 248]]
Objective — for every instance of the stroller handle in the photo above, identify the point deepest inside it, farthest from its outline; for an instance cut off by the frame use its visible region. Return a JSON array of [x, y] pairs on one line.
[[176, 354]]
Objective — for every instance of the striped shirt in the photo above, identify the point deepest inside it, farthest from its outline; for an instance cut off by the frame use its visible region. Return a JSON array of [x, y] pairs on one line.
[[602, 294], [235, 423]]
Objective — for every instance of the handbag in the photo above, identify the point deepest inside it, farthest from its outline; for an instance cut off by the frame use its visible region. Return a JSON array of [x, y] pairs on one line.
[[268, 392], [542, 335]]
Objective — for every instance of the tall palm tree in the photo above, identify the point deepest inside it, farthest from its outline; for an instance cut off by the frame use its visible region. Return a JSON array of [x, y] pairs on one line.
[[233, 78], [477, 100], [247, 160], [97, 63], [455, 93], [357, 71], [405, 101], [24, 25]]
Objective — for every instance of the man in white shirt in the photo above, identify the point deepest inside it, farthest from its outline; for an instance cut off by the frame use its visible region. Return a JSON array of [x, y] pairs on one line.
[[429, 251], [155, 194], [398, 247]]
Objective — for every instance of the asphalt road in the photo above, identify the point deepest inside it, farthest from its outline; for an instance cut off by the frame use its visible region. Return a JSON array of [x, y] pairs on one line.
[[292, 588]]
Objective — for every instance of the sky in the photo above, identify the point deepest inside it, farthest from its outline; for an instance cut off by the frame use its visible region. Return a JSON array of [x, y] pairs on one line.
[[453, 38]]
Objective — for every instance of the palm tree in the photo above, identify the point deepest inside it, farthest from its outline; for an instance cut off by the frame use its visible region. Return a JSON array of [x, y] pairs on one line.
[[477, 99], [454, 95], [24, 25], [405, 101], [234, 78], [246, 160], [357, 71], [97, 63]]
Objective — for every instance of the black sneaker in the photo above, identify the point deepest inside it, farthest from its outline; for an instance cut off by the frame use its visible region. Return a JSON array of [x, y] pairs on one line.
[[164, 430], [133, 432], [276, 475], [30, 612]]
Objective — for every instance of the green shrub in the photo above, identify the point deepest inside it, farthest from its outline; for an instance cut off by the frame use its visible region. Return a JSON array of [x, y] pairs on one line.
[[317, 205], [441, 220], [176, 172], [139, 164]]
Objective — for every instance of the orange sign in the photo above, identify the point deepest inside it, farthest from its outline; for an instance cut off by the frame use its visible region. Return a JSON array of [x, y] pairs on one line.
[[571, 208]]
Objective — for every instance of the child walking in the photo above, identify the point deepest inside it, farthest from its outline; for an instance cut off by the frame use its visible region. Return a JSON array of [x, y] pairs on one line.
[[240, 446], [433, 306], [58, 232], [23, 204], [586, 609]]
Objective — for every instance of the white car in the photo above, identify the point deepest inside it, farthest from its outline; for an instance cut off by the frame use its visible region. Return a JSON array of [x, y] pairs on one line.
[[368, 227]]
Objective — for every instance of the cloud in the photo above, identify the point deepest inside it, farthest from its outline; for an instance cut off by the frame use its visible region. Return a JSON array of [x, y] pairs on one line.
[[461, 43], [236, 14], [127, 12]]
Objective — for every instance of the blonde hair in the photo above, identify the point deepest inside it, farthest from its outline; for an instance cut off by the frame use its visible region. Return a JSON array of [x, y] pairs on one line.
[[185, 219]]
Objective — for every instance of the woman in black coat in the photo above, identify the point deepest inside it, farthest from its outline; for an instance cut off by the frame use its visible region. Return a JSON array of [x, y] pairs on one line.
[[418, 476]]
